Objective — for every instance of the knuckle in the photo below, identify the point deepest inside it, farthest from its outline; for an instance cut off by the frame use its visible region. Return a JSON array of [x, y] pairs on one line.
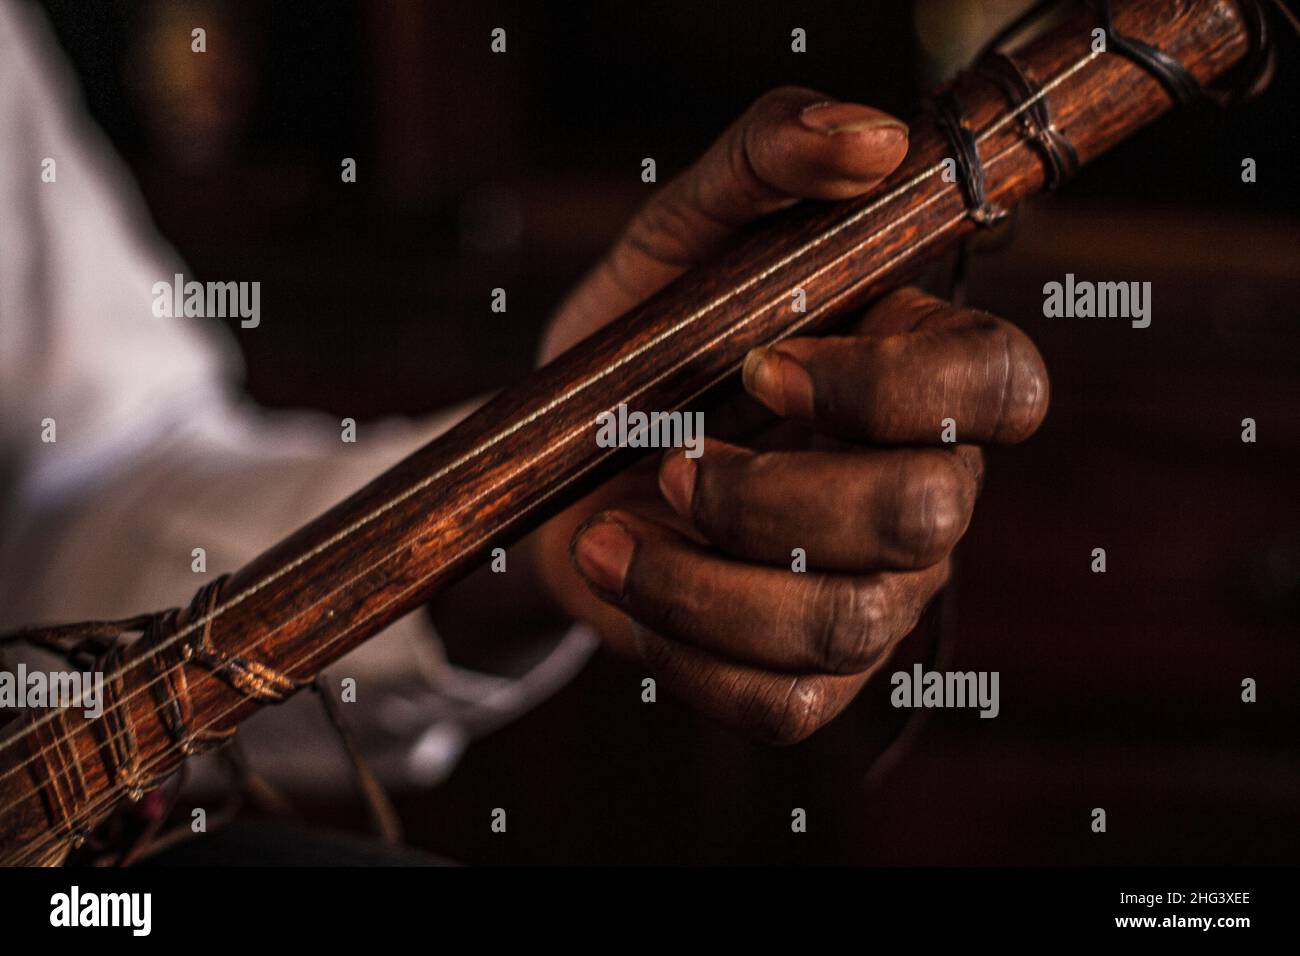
[[849, 627], [972, 459], [933, 509], [663, 230], [868, 395], [914, 299], [657, 654], [909, 307], [726, 483]]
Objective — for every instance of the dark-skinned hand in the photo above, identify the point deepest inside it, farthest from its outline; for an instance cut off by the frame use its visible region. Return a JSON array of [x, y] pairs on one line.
[[688, 562]]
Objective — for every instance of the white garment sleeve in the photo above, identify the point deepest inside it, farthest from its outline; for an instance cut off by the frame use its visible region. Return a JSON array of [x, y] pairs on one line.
[[155, 456]]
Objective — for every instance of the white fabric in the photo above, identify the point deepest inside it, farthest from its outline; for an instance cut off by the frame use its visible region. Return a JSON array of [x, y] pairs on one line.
[[156, 455]]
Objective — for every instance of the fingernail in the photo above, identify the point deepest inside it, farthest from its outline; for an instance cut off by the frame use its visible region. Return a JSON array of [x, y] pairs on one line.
[[779, 382], [836, 118], [602, 553], [677, 482]]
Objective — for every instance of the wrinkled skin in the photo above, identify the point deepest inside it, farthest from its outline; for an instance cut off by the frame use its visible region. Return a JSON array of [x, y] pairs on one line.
[[687, 562]]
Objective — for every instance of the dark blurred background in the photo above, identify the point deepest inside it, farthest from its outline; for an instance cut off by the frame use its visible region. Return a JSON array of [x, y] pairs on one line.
[[476, 170]]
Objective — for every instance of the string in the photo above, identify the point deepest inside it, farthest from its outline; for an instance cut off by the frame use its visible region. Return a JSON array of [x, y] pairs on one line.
[[109, 795], [550, 493], [894, 193], [477, 451]]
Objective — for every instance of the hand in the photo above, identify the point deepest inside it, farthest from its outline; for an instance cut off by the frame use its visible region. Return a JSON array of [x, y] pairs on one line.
[[688, 562]]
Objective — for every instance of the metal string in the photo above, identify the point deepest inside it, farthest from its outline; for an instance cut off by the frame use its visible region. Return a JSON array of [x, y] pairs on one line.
[[893, 194]]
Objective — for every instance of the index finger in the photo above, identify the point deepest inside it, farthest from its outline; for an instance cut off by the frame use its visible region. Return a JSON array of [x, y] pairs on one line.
[[921, 371]]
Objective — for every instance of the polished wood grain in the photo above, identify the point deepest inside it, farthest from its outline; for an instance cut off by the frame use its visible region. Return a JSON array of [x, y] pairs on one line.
[[397, 542]]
